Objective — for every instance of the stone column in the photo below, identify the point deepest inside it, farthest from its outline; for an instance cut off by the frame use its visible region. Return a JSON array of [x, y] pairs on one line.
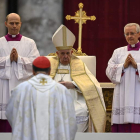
[[2, 17], [40, 19]]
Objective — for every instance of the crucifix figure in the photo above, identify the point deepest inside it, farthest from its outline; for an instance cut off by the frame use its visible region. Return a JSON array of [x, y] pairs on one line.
[[80, 18], [43, 81]]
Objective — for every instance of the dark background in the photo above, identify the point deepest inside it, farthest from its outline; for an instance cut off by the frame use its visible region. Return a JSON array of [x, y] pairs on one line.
[[106, 33]]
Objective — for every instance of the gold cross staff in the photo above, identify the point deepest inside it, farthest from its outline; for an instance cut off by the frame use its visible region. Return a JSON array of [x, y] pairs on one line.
[[80, 18], [43, 81]]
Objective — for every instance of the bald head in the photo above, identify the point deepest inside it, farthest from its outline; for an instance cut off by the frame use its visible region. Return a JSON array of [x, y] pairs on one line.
[[13, 23], [12, 15]]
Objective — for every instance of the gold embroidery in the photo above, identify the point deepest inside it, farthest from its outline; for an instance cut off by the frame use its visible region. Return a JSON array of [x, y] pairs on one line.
[[63, 71], [63, 48], [88, 89], [64, 36], [43, 81]]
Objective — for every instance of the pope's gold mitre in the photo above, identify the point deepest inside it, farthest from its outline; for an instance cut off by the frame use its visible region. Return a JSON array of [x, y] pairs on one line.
[[63, 38]]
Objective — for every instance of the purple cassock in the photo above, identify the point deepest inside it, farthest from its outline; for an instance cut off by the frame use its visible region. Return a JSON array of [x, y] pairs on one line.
[[130, 127], [4, 124], [136, 48], [11, 38], [125, 128]]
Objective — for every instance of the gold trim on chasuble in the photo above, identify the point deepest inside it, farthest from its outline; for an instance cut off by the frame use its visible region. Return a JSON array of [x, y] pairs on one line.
[[63, 71], [93, 101]]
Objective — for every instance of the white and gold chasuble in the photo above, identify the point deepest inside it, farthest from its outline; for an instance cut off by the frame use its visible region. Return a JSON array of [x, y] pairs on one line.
[[81, 110], [41, 109], [96, 108]]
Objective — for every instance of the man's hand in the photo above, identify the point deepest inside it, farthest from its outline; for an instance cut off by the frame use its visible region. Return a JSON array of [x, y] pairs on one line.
[[127, 61], [14, 55], [67, 84], [134, 64], [11, 57]]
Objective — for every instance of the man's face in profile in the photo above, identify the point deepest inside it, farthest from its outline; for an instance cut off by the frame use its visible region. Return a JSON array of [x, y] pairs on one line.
[[64, 56]]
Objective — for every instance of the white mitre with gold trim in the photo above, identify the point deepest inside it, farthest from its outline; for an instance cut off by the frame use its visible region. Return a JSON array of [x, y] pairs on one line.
[[63, 38]]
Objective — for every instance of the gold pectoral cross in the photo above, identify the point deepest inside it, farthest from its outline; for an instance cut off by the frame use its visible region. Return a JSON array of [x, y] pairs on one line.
[[80, 18], [43, 81]]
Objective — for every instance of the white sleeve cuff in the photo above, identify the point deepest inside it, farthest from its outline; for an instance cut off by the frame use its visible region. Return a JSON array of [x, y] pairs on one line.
[[77, 88], [119, 73]]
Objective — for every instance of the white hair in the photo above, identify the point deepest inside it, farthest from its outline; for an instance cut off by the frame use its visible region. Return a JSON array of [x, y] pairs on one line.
[[133, 24]]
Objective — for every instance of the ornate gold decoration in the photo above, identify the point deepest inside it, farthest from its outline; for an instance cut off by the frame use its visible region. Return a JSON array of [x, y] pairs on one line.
[[52, 54], [93, 100], [43, 81], [74, 53], [108, 97], [80, 18], [64, 36], [63, 71], [108, 122]]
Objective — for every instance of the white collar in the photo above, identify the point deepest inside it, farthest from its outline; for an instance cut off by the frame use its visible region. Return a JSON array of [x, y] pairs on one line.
[[36, 82], [13, 36], [133, 45]]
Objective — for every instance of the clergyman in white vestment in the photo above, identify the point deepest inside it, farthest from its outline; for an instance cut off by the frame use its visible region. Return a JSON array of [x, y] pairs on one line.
[[124, 71], [17, 53], [70, 71], [41, 108]]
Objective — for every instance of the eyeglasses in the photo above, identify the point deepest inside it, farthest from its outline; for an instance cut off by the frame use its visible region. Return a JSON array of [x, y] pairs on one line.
[[131, 33]]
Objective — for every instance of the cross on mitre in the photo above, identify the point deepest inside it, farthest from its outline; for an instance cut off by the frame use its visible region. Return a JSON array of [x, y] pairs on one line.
[[43, 81]]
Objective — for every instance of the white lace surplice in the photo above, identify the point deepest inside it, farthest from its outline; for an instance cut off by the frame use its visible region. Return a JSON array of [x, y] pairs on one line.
[[126, 98], [11, 74]]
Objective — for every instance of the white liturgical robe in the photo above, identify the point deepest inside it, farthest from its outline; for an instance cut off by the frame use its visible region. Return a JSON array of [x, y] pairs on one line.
[[11, 74], [126, 98], [41, 112], [82, 113]]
